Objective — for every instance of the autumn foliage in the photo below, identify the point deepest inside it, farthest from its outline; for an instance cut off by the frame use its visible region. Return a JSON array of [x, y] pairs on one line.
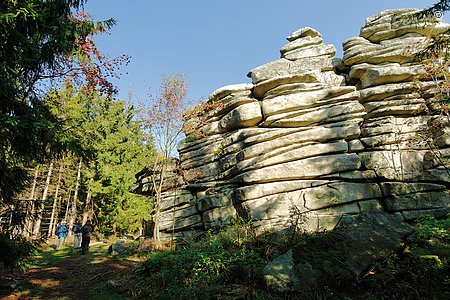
[[87, 65], [162, 113]]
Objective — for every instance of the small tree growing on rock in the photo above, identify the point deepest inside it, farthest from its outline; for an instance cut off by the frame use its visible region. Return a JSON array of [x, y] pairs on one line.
[[163, 117]]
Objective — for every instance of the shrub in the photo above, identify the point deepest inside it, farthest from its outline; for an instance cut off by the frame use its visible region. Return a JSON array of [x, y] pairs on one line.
[[14, 252], [230, 262], [429, 228]]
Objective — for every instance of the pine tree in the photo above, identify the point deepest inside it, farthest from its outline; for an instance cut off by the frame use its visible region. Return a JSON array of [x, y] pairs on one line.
[[440, 43]]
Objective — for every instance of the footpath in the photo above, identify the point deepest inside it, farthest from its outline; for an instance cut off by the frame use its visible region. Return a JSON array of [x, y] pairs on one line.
[[67, 274]]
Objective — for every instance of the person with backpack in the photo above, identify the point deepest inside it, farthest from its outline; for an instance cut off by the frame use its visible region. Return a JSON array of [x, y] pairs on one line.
[[86, 232], [61, 233], [77, 235]]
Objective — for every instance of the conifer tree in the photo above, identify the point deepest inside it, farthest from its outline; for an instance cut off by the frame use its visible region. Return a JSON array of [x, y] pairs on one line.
[[440, 43], [105, 133]]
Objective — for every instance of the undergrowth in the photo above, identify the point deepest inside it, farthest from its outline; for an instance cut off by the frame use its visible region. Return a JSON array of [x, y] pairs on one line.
[[419, 271], [229, 265], [14, 253], [202, 269]]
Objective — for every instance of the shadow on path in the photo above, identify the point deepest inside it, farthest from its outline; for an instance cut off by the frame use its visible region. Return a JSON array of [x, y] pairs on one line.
[[67, 274]]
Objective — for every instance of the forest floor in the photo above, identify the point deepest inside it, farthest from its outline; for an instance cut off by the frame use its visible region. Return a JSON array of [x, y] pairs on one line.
[[67, 274]]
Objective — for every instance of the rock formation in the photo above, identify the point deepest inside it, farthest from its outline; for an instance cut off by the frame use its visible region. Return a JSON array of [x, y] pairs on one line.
[[315, 138]]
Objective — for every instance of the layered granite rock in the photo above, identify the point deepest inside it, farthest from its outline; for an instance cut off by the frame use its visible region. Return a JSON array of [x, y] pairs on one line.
[[317, 140]]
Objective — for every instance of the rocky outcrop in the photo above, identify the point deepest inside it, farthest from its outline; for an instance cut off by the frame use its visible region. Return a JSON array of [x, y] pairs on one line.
[[317, 137], [179, 218], [355, 245]]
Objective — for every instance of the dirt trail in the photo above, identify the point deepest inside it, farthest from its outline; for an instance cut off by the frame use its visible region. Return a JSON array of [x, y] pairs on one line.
[[69, 275]]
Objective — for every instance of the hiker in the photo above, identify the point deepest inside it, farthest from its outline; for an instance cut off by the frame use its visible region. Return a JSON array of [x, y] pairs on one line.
[[61, 233], [77, 235], [86, 232]]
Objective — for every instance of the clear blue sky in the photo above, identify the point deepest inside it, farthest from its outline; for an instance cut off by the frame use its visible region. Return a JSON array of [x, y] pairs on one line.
[[216, 43]]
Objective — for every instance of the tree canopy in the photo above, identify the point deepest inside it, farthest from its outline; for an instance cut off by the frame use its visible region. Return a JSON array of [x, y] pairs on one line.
[[40, 41]]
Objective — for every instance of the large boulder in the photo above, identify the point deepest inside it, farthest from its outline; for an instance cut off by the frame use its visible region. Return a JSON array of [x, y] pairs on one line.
[[281, 275], [371, 237]]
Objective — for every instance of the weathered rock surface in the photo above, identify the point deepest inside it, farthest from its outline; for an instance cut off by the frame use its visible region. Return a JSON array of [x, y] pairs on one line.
[[362, 239], [334, 148], [281, 275], [122, 247], [370, 238], [283, 67]]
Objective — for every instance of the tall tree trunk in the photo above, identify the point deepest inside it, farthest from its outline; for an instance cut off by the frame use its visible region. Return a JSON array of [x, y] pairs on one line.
[[66, 214], [73, 213], [55, 200], [55, 221], [37, 224], [30, 207], [87, 213], [156, 236], [158, 187]]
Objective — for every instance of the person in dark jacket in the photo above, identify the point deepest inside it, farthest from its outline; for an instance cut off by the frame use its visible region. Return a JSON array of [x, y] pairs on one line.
[[86, 232]]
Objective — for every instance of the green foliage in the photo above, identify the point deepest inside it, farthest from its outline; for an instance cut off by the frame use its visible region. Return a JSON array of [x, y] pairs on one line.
[[429, 228], [38, 37], [109, 290], [238, 233], [230, 262], [405, 275], [106, 133], [200, 269], [15, 252], [431, 242], [119, 151]]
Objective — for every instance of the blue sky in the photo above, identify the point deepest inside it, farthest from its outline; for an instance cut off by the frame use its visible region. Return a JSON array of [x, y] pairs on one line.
[[216, 43]]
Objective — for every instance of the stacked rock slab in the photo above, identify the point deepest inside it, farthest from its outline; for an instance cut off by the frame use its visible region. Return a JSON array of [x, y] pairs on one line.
[[178, 217], [409, 164], [305, 146]]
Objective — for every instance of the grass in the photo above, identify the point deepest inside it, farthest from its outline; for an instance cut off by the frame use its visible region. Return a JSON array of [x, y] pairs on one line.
[[215, 267]]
